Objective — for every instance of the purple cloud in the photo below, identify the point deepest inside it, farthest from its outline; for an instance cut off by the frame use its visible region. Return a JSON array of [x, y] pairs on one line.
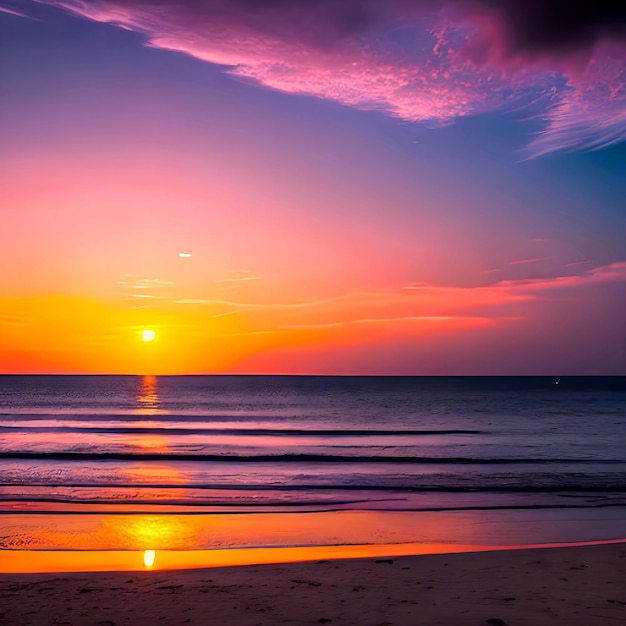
[[419, 60]]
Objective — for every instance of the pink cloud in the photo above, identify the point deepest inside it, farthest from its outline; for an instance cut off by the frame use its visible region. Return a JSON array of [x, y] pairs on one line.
[[602, 274], [466, 56]]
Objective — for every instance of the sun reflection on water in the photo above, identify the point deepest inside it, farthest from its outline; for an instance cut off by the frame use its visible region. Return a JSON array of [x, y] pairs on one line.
[[148, 392], [147, 399]]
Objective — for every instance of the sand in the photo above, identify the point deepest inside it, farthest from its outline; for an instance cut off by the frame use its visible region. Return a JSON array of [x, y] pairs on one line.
[[574, 586]]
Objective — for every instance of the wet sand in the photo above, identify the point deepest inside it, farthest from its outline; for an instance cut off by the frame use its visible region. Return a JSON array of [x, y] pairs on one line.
[[572, 586]]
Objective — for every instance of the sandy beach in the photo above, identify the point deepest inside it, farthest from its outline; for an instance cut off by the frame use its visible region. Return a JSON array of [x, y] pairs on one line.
[[572, 586]]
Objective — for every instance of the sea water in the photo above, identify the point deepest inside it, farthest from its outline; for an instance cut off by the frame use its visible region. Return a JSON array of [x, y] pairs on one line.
[[197, 462]]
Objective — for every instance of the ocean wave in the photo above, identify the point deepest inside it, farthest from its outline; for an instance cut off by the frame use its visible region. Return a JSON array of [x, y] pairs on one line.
[[196, 430], [293, 458]]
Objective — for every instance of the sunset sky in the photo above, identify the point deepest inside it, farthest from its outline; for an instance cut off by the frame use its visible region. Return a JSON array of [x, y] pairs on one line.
[[421, 187]]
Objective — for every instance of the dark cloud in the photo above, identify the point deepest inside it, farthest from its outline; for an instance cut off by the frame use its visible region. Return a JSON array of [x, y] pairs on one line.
[[519, 26], [558, 26]]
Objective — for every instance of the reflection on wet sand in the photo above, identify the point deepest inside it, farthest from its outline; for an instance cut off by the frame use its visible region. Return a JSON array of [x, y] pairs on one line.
[[108, 561], [27, 561], [233, 531], [144, 532], [148, 558]]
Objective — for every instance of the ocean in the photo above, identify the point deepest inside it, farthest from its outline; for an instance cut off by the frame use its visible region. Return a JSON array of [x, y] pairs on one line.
[[199, 462]]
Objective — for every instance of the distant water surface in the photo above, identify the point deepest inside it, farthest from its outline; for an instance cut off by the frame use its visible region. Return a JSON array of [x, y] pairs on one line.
[[77, 449]]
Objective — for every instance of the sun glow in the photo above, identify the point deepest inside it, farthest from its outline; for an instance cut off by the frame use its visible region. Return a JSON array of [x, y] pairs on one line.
[[148, 335], [148, 558]]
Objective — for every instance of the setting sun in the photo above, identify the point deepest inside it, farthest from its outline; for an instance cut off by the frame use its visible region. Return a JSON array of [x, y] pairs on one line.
[[148, 335]]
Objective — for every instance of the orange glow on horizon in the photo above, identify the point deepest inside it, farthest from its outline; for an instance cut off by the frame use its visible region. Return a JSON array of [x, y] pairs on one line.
[[62, 335], [268, 332]]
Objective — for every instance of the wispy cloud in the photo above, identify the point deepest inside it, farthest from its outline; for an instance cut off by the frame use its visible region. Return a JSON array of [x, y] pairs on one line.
[[236, 279], [575, 263], [414, 302], [418, 301], [464, 56], [12, 320], [7, 8], [527, 261], [447, 319], [144, 283], [396, 321], [145, 289], [602, 274]]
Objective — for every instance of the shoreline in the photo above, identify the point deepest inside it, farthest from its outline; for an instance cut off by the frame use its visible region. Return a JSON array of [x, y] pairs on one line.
[[100, 561], [557, 586], [446, 530]]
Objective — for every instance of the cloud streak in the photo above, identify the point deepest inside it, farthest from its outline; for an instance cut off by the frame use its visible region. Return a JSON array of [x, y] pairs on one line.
[[415, 302], [419, 60], [9, 10]]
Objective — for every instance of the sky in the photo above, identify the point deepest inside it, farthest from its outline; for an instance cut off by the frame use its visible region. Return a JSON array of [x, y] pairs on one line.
[[397, 187]]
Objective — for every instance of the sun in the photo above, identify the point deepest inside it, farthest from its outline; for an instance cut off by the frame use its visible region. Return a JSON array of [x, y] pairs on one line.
[[148, 335]]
